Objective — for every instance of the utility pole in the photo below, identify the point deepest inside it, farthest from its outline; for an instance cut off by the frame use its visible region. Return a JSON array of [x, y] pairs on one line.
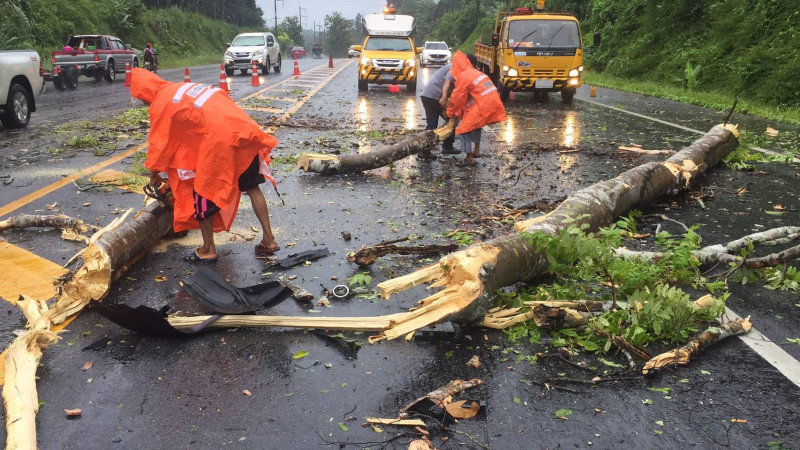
[[300, 10], [276, 18]]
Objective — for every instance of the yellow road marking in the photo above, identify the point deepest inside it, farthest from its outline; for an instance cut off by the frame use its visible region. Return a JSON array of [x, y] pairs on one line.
[[26, 273], [115, 178], [262, 109]]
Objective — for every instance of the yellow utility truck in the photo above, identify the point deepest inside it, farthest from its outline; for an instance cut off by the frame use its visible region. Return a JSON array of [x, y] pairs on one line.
[[388, 55], [533, 50]]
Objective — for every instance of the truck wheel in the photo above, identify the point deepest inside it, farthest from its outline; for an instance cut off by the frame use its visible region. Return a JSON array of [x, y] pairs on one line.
[[71, 75], [229, 72], [17, 112], [411, 88], [363, 86], [110, 74], [60, 82], [504, 91], [267, 66], [566, 96], [277, 68]]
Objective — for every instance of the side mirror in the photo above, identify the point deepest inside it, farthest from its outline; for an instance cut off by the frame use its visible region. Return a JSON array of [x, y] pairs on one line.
[[450, 48], [596, 39], [357, 48], [127, 46], [227, 44], [495, 39], [418, 50]]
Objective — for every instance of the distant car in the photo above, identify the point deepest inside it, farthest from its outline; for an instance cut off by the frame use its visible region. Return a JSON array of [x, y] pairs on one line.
[[20, 82], [247, 48], [435, 53], [352, 53], [297, 52]]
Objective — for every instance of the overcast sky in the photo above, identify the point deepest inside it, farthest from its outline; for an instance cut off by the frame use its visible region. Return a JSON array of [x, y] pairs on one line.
[[316, 10]]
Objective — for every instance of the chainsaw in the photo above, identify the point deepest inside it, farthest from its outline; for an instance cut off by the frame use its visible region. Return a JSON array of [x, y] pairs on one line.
[[162, 194]]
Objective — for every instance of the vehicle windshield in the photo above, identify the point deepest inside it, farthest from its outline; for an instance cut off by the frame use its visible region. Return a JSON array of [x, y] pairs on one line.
[[541, 34], [388, 44], [436, 46], [248, 41], [84, 42]]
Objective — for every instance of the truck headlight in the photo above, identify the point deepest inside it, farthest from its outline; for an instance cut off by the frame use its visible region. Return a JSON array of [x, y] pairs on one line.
[[580, 69], [573, 81], [505, 68], [229, 54], [364, 61], [574, 73], [258, 53], [410, 62], [513, 72]]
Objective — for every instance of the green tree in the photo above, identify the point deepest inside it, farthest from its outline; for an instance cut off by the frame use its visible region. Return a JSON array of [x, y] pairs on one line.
[[291, 26], [337, 34]]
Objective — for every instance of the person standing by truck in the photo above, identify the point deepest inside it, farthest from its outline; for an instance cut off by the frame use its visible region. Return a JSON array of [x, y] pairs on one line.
[[475, 102], [434, 98]]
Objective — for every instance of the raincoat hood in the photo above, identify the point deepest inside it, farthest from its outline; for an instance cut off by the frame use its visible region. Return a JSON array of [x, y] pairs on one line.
[[460, 63], [145, 85]]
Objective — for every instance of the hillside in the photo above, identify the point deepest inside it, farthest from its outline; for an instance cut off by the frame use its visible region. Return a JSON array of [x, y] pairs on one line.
[[46, 24]]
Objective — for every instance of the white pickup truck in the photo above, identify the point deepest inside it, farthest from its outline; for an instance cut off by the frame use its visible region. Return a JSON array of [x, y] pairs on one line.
[[20, 81]]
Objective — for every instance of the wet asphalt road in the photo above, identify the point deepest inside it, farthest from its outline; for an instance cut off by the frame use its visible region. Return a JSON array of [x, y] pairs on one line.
[[153, 393]]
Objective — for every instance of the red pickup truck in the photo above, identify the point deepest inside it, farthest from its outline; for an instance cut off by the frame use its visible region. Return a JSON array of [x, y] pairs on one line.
[[91, 55]]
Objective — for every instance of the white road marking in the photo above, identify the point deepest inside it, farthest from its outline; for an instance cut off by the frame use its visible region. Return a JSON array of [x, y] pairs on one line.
[[770, 351], [675, 125]]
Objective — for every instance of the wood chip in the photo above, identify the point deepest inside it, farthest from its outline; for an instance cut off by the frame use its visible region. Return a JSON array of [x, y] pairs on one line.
[[474, 362], [463, 409], [398, 422], [772, 131], [87, 366], [247, 393], [73, 412]]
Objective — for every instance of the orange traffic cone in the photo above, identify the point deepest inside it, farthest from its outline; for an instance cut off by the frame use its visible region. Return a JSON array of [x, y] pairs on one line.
[[593, 92], [223, 80], [127, 74], [186, 75], [330, 61], [296, 67], [255, 81]]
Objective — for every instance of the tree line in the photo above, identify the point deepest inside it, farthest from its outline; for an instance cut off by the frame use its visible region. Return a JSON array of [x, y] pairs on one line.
[[243, 13]]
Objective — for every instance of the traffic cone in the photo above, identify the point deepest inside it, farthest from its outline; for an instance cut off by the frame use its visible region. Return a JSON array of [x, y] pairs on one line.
[[255, 81], [330, 61], [593, 92], [223, 80], [296, 67], [186, 75], [127, 74]]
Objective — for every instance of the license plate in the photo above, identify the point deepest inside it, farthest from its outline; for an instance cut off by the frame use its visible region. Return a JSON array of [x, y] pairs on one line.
[[544, 84], [387, 76]]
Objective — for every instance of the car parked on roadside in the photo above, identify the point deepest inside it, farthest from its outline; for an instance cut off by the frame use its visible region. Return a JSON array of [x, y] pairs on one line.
[[246, 48], [20, 81], [91, 55], [435, 52], [297, 52], [352, 52]]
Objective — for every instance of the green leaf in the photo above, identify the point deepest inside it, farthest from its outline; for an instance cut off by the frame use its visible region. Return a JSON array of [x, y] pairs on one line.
[[517, 400], [683, 380], [343, 385], [325, 391], [562, 413], [300, 354], [343, 427], [647, 401], [448, 353], [705, 372], [663, 390], [793, 341], [610, 363]]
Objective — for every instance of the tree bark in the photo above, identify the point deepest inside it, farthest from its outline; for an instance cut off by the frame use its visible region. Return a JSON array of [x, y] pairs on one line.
[[366, 256], [327, 164], [59, 221]]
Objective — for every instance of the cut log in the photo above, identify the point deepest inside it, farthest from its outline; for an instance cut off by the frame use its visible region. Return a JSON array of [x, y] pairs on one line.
[[59, 221], [327, 164], [366, 256], [697, 344], [444, 394], [550, 318]]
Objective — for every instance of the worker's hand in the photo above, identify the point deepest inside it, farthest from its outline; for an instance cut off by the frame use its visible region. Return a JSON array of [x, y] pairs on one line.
[[443, 102], [156, 178]]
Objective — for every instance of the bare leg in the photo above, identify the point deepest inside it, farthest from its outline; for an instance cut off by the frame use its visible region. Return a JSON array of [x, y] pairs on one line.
[[262, 213], [208, 250], [477, 152]]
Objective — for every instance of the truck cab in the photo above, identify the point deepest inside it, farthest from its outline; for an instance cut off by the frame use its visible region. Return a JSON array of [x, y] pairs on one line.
[[388, 54], [534, 50]]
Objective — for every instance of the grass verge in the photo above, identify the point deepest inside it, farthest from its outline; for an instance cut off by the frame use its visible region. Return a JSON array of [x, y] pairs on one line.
[[167, 62], [708, 99]]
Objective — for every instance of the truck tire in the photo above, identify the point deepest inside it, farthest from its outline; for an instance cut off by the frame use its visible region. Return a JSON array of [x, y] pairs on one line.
[[17, 112], [411, 88], [504, 91], [60, 82], [566, 95], [229, 72], [110, 74], [71, 76], [363, 86], [277, 68]]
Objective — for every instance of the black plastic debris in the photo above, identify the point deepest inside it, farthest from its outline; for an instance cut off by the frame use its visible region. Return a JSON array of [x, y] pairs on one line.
[[210, 289], [300, 258], [146, 320]]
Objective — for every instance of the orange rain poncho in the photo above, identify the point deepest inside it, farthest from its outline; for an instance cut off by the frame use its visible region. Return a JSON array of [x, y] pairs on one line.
[[203, 140], [475, 99]]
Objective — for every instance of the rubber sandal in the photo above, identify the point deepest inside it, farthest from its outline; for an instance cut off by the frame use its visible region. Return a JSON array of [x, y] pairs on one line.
[[262, 249], [195, 258]]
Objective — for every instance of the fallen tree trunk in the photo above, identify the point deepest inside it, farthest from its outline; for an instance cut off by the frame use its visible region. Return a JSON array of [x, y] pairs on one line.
[[327, 164], [60, 221], [366, 256], [691, 349], [110, 250]]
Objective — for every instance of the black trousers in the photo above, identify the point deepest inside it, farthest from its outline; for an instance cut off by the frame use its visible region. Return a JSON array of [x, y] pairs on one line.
[[433, 111]]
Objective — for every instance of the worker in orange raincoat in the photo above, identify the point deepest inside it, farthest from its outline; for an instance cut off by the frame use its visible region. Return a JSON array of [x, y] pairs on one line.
[[212, 151], [475, 102]]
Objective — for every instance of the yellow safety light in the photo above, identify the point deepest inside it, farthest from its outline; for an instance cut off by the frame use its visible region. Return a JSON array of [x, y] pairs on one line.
[[389, 9], [540, 4]]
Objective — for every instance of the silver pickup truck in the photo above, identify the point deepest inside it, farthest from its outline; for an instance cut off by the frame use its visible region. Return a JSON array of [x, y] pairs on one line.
[[91, 55], [20, 81]]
